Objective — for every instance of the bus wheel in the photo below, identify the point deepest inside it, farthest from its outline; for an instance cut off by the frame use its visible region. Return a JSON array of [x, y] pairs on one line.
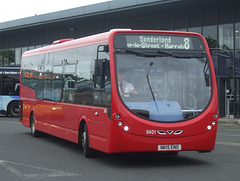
[[34, 132], [88, 152], [173, 153], [13, 109]]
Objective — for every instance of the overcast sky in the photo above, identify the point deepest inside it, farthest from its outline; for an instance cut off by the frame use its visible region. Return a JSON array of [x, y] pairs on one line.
[[17, 9]]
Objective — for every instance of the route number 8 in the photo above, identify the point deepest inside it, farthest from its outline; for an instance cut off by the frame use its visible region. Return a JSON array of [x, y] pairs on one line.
[[186, 43]]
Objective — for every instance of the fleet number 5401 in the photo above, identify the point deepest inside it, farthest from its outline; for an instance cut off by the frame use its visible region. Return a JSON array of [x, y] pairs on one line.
[[151, 132]]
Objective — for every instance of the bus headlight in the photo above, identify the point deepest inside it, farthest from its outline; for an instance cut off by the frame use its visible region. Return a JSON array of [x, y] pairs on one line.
[[120, 122], [209, 127], [126, 128], [117, 116]]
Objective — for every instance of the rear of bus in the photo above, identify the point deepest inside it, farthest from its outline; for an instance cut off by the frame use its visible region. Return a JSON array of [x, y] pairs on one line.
[[9, 90], [175, 106]]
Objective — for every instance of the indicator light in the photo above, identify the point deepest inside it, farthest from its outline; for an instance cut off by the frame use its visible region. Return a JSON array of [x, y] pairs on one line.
[[209, 127], [213, 122], [117, 116], [120, 123], [215, 116]]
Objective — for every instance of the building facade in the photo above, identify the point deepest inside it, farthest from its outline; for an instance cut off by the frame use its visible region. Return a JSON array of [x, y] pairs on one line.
[[217, 20]]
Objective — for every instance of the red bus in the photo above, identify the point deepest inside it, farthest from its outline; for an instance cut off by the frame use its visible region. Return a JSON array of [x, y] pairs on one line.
[[123, 91]]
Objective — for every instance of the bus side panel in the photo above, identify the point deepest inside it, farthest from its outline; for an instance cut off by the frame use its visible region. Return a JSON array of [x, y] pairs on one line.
[[5, 101], [28, 99], [98, 127], [26, 111], [1, 103], [61, 132]]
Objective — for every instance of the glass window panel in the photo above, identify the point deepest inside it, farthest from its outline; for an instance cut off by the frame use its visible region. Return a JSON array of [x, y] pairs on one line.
[[18, 54], [5, 57], [48, 63], [69, 69], [57, 87], [71, 56], [57, 69], [1, 57], [210, 33], [237, 35], [11, 57], [237, 63], [24, 49], [84, 83], [226, 36]]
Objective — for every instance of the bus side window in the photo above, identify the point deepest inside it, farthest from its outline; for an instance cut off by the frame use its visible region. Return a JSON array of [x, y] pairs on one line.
[[47, 95], [17, 88], [8, 86], [40, 86], [68, 89], [57, 88]]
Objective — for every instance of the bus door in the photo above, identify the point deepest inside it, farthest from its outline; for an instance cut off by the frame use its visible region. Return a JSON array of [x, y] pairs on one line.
[[101, 98]]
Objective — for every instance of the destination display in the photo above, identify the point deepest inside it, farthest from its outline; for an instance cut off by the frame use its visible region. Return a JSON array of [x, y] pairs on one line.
[[153, 41], [159, 42], [9, 72]]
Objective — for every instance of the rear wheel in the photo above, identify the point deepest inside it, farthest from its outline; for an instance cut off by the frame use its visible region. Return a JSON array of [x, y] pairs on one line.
[[34, 132], [13, 109], [88, 152]]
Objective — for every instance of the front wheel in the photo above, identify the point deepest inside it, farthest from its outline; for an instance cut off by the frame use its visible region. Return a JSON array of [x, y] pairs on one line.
[[88, 152], [34, 132]]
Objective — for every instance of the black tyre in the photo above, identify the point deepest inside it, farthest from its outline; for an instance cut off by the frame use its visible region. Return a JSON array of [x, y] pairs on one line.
[[173, 153], [34, 132], [13, 109], [88, 152]]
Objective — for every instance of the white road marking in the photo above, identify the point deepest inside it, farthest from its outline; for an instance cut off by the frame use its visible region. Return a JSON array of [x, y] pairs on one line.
[[227, 143], [9, 122], [44, 173]]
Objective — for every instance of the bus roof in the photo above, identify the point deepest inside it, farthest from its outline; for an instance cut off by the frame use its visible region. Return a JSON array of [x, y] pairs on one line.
[[74, 43], [89, 40], [9, 68]]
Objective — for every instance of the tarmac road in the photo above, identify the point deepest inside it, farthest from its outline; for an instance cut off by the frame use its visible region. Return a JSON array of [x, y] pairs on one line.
[[23, 157]]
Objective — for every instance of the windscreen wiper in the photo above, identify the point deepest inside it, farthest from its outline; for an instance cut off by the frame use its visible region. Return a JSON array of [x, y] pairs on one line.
[[183, 55], [150, 87], [162, 52], [140, 53]]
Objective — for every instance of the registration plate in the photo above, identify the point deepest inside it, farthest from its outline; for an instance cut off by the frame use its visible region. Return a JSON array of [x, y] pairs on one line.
[[169, 147]]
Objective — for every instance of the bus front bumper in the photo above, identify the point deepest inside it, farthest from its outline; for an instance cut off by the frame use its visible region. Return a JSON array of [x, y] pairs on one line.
[[121, 142]]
